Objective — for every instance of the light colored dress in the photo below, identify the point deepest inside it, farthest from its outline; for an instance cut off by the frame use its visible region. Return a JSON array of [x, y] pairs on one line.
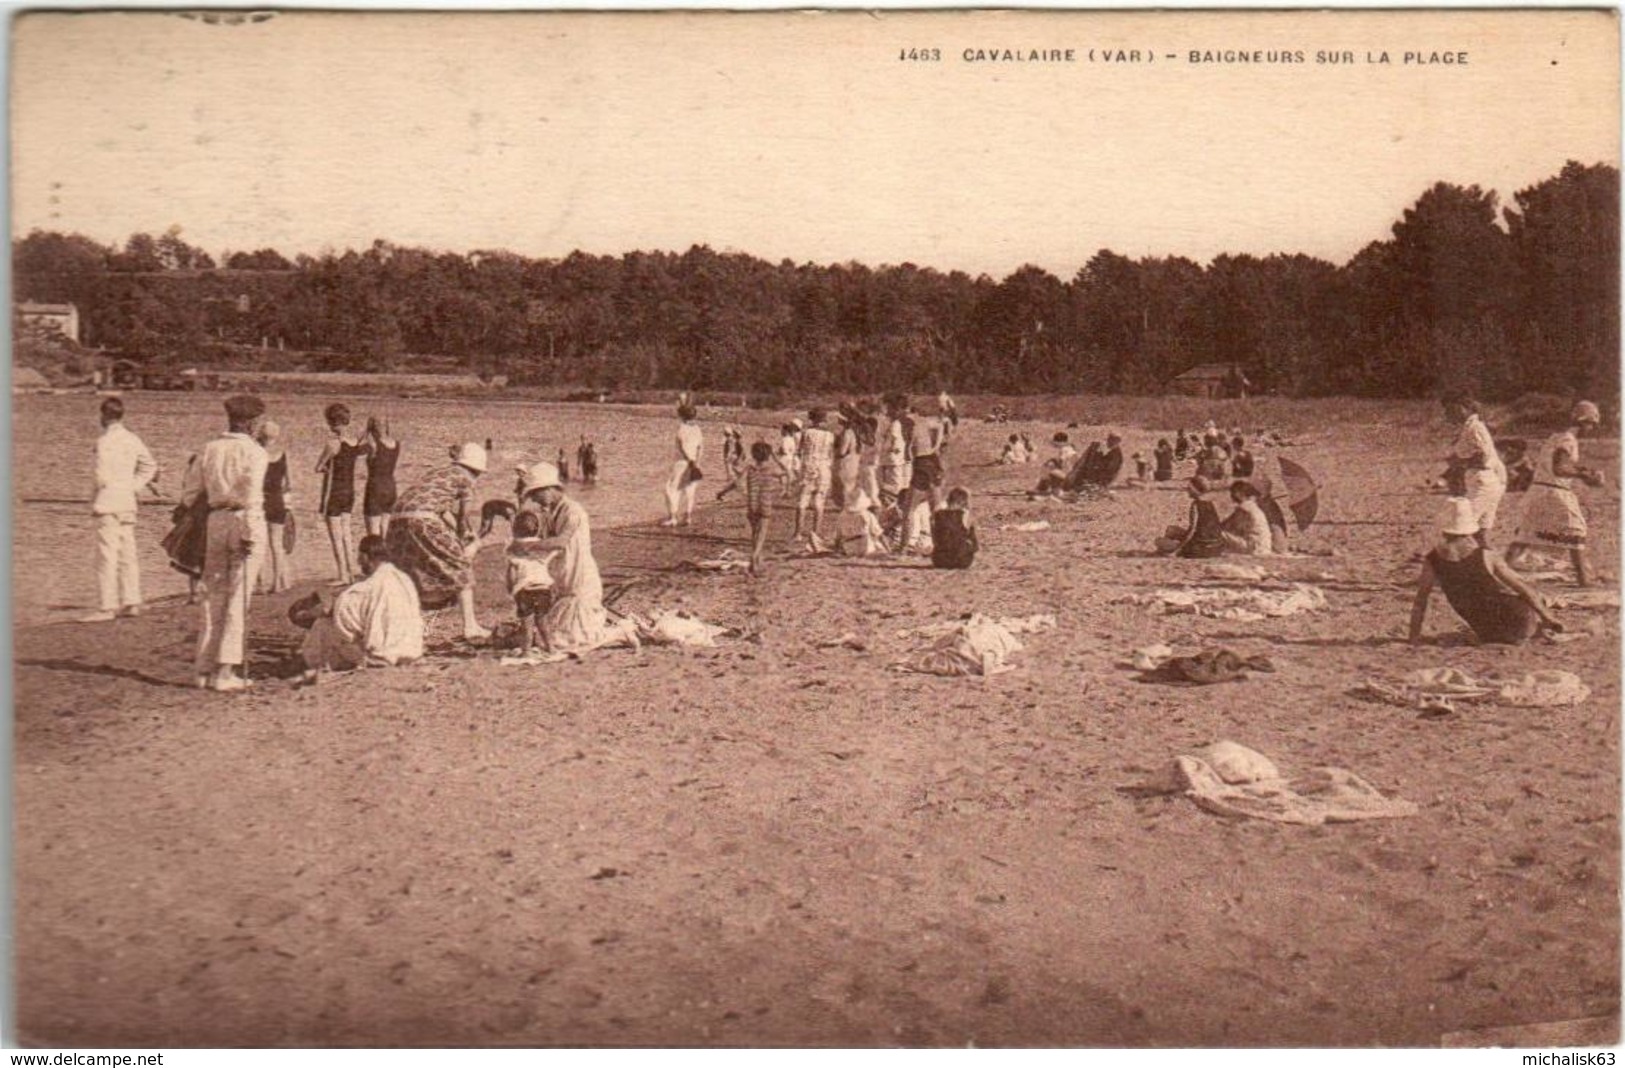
[[1486, 475], [1551, 511], [577, 621]]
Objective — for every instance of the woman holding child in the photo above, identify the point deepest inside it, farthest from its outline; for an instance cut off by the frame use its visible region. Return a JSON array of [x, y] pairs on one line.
[[576, 620]]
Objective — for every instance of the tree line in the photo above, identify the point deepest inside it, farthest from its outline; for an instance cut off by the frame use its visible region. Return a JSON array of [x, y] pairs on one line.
[[1462, 294]]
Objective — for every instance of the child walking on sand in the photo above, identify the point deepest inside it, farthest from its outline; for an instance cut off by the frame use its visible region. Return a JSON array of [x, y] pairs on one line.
[[764, 479]]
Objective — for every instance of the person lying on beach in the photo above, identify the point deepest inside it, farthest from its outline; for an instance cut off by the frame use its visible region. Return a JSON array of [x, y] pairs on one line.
[[1202, 536], [1490, 597], [953, 532]]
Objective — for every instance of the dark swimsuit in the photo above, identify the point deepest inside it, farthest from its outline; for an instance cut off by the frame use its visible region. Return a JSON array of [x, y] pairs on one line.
[[338, 484], [1495, 613], [276, 481], [380, 496]]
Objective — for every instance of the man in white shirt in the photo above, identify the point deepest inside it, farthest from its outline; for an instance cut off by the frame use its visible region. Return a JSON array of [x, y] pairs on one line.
[[124, 468], [376, 620], [231, 471]]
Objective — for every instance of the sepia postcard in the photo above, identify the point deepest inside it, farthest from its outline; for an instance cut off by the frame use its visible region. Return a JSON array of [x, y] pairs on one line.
[[815, 529]]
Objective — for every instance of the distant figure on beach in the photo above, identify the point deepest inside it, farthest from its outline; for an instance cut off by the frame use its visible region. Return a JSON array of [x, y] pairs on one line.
[[336, 465], [1164, 457], [1241, 460], [1552, 516], [848, 458], [375, 621], [953, 532], [927, 477], [1014, 451], [587, 460], [124, 467], [383, 452], [816, 459], [733, 451], [563, 466], [230, 477], [1489, 596], [1475, 464], [685, 470]]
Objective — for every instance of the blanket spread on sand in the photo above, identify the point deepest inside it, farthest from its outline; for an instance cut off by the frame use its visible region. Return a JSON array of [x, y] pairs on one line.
[[1325, 795], [1244, 605]]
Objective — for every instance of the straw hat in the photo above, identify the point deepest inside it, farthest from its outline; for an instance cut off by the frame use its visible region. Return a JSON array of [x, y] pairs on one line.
[[1586, 412], [538, 476], [1459, 519], [471, 454]]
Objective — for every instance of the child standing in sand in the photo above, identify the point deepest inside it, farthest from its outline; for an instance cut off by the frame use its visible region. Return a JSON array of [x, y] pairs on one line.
[[953, 532], [764, 479], [530, 582]]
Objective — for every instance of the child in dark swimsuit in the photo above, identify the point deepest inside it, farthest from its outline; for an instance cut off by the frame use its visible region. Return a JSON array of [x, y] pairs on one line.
[[337, 468], [383, 452]]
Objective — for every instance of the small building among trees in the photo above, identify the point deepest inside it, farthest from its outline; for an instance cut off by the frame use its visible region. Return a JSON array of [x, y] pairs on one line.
[[1215, 381], [50, 318]]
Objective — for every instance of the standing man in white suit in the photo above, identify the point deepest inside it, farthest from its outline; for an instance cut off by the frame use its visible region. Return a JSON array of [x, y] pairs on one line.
[[124, 467]]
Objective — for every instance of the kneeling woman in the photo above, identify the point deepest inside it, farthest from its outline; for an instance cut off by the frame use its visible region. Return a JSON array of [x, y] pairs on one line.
[[1487, 594], [431, 533]]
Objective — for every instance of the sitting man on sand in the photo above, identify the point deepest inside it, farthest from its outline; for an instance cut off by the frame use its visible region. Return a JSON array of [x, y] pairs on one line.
[[1488, 595], [374, 621]]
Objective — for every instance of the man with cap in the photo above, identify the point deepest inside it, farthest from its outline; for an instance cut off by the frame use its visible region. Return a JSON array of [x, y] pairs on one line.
[[1552, 516], [230, 476], [431, 535], [1489, 596], [124, 467]]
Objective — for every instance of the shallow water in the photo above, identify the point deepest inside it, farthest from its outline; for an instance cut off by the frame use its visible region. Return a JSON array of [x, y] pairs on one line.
[[53, 441]]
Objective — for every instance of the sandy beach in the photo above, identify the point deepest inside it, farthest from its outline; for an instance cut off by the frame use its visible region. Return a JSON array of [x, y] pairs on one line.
[[777, 843]]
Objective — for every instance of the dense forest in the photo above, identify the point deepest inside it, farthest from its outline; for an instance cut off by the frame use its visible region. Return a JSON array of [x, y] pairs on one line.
[[1461, 294]]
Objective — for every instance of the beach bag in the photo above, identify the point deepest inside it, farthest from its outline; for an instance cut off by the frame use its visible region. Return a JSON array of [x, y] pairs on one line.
[[187, 540], [290, 533]]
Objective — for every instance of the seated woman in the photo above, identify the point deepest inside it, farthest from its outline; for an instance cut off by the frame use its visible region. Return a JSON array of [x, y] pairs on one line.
[[374, 621], [1487, 594], [1202, 537], [1247, 529]]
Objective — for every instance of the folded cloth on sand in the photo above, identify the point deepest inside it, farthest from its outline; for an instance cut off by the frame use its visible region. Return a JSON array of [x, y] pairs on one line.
[[1430, 686], [726, 560], [1244, 605], [1014, 624], [680, 628], [1235, 572], [975, 646], [1544, 689], [1232, 780], [1030, 527], [1149, 657], [1584, 598], [1206, 668]]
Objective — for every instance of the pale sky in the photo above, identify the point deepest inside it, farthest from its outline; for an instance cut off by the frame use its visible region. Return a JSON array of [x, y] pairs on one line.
[[792, 135]]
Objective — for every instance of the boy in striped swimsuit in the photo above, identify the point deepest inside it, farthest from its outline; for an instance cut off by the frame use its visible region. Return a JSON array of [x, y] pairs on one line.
[[764, 480]]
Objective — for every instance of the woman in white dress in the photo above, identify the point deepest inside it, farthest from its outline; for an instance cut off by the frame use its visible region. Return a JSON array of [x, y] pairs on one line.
[[1552, 516], [1474, 457], [577, 621]]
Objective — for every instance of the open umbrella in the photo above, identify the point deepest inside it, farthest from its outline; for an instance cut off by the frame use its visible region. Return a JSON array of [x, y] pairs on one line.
[[1302, 495]]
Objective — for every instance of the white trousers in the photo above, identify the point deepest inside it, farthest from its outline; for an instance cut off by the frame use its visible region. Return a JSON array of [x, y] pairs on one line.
[[228, 582], [1484, 491], [118, 573]]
